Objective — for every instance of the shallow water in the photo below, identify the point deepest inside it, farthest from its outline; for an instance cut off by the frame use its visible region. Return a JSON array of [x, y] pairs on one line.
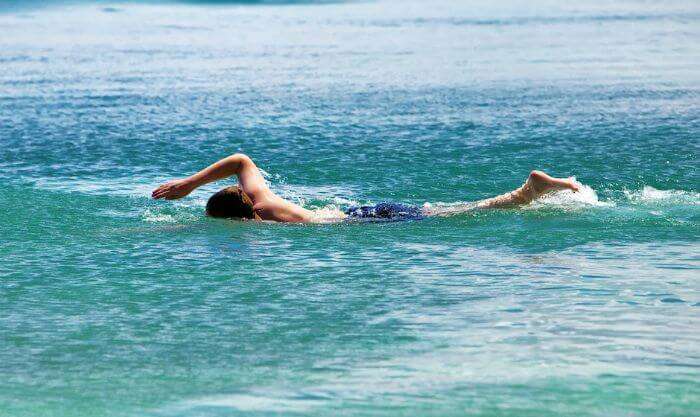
[[578, 305]]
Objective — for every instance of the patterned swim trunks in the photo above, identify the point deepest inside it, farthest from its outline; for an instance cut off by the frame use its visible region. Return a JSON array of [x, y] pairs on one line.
[[385, 212]]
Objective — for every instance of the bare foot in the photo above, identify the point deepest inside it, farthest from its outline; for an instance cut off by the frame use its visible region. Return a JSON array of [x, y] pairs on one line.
[[571, 184], [540, 183]]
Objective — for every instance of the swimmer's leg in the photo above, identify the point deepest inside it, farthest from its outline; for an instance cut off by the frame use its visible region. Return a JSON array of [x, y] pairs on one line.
[[536, 185]]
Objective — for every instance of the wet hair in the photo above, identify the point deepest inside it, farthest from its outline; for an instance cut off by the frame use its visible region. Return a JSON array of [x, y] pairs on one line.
[[231, 202]]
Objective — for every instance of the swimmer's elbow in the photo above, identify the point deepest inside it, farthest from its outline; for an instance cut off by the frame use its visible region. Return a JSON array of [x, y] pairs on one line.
[[240, 156], [241, 160]]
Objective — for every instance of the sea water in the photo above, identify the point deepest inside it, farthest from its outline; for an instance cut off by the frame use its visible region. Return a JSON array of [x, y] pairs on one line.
[[113, 304]]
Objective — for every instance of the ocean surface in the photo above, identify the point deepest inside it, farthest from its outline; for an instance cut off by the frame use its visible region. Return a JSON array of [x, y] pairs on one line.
[[113, 304]]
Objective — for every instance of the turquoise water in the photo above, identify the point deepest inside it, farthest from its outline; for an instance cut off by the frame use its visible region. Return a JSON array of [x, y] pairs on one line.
[[112, 304]]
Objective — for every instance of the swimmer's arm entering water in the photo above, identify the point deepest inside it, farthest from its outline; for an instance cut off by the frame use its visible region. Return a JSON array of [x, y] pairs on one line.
[[249, 178], [536, 185]]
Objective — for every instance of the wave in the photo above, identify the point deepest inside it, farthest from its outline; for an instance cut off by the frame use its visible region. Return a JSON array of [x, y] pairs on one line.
[[271, 401]]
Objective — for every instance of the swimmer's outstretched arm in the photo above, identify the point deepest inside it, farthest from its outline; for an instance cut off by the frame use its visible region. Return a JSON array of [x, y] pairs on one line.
[[249, 178], [536, 185]]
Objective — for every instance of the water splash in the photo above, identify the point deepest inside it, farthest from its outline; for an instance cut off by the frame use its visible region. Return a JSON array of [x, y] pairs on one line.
[[567, 199], [180, 211], [151, 216]]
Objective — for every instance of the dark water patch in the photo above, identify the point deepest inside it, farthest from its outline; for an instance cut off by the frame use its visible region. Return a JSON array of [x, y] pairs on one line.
[[671, 300]]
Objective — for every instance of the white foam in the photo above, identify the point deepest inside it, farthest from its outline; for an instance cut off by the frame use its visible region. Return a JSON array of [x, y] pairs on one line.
[[650, 194], [151, 217], [155, 216]]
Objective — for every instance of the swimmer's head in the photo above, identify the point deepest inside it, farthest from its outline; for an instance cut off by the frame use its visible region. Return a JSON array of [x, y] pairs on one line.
[[231, 202]]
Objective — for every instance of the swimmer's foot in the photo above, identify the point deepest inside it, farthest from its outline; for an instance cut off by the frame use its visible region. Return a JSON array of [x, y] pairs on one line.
[[539, 183]]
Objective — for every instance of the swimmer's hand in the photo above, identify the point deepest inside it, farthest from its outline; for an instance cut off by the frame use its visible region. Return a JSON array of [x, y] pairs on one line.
[[172, 190]]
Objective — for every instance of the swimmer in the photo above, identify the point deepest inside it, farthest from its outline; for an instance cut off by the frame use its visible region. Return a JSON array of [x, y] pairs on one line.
[[252, 198]]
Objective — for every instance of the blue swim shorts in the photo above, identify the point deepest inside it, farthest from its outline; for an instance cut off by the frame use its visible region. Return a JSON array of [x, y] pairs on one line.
[[385, 212]]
